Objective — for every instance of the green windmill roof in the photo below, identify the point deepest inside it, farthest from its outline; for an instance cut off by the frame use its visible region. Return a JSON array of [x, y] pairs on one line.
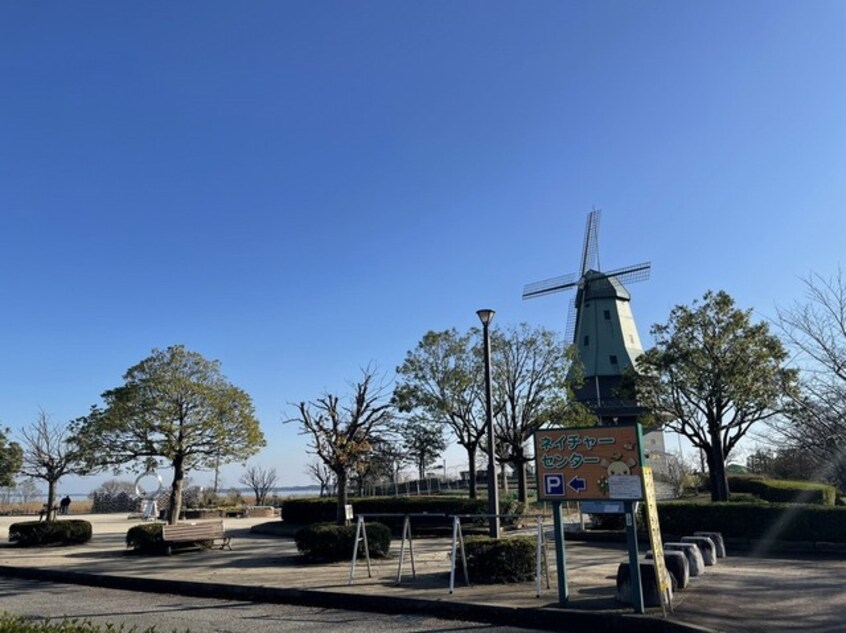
[[599, 286]]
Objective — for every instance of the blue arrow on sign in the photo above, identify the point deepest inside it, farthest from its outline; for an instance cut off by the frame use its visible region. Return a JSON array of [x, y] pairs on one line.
[[577, 483]]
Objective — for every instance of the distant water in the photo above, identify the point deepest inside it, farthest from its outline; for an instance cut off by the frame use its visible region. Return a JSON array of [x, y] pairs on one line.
[[283, 491]]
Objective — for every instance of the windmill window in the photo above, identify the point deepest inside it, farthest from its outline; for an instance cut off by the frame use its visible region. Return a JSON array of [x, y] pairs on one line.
[[613, 359], [587, 340], [607, 315]]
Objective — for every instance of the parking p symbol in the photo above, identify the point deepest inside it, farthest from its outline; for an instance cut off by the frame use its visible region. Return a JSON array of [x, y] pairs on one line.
[[553, 485]]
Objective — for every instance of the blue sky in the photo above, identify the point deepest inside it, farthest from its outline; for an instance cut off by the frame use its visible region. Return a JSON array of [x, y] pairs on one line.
[[298, 189]]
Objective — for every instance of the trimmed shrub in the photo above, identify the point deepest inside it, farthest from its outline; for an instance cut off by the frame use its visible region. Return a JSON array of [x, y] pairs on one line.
[[331, 542], [305, 511], [502, 560], [782, 521], [777, 491], [40, 533], [146, 538], [745, 497], [783, 491], [742, 483], [616, 521], [511, 505]]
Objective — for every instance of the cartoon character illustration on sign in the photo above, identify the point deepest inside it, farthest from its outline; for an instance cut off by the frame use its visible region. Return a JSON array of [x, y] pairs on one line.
[[617, 465]]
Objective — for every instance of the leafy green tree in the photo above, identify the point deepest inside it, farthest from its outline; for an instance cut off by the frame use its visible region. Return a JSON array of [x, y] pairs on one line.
[[11, 459], [176, 408], [443, 379], [374, 466], [712, 375], [342, 435], [529, 374], [49, 455], [423, 441]]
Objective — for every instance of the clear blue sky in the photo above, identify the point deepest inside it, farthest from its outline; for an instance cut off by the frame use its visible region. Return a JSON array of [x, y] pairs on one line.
[[298, 189]]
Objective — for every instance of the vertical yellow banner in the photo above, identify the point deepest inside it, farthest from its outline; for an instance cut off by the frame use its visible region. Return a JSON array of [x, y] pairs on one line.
[[655, 537]]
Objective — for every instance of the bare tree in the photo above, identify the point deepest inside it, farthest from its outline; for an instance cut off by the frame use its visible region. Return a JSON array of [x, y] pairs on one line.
[[27, 490], [49, 456], [530, 389], [320, 472], [816, 330], [674, 469], [260, 481], [342, 434]]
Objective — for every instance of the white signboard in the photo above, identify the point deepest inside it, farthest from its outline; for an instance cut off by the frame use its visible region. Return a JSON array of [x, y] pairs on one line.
[[625, 487]]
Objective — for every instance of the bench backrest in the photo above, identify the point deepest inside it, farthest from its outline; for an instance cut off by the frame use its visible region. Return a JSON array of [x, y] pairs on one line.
[[206, 530]]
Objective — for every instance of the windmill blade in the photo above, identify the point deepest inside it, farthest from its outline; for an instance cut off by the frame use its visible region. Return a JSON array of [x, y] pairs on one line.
[[570, 330], [590, 249], [631, 274], [548, 286]]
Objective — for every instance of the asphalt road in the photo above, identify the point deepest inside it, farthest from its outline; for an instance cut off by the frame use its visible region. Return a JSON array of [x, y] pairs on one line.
[[177, 613]]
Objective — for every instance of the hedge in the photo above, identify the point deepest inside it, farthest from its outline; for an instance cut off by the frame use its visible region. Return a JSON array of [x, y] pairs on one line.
[[146, 538], [332, 542], [38, 533], [783, 491], [777, 521], [305, 511], [500, 560]]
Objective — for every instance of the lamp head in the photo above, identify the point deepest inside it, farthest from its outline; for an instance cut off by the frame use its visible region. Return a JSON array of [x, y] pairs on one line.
[[486, 315]]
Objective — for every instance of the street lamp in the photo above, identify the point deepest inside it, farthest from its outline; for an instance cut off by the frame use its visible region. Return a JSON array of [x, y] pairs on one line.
[[486, 316]]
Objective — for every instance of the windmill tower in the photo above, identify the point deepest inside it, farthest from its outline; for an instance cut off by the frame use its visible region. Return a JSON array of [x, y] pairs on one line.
[[601, 326]]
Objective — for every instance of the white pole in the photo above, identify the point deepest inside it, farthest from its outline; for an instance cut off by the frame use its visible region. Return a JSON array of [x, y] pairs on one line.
[[454, 552], [355, 547]]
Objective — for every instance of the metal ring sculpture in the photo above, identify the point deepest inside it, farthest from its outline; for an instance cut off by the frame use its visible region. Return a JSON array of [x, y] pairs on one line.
[[149, 495], [151, 506]]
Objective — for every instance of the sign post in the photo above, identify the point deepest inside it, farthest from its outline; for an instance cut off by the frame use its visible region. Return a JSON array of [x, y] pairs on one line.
[[560, 554], [598, 463]]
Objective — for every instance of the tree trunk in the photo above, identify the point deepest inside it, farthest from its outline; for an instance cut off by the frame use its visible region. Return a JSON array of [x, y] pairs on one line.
[[717, 470], [341, 511], [522, 482], [503, 468], [471, 459], [175, 505], [50, 514]]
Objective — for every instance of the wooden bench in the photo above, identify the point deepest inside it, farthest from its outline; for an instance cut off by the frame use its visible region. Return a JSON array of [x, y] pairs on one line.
[[197, 533]]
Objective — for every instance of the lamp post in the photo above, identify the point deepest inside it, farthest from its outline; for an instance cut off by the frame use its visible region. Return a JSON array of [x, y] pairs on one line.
[[486, 316]]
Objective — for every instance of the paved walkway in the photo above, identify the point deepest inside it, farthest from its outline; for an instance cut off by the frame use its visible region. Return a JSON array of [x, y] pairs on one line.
[[739, 594]]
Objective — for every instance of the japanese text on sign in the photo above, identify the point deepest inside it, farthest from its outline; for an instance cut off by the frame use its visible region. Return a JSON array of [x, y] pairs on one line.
[[578, 463]]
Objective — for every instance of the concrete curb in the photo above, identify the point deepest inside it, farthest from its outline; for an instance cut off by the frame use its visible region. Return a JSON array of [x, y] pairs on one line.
[[546, 618], [733, 544]]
